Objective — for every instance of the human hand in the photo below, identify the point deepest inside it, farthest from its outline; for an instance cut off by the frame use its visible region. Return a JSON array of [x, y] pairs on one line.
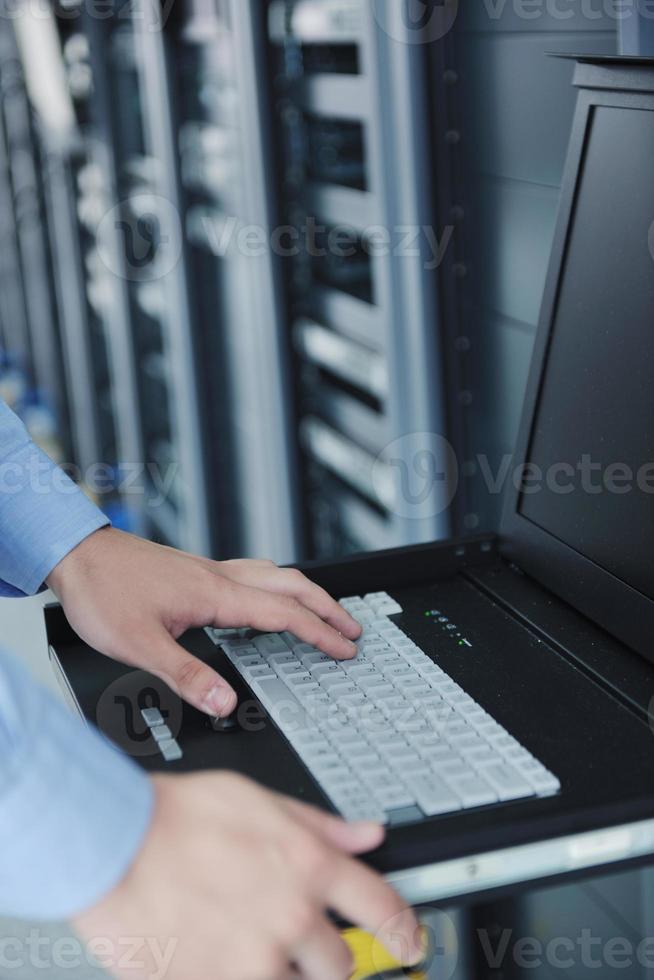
[[240, 879], [132, 599]]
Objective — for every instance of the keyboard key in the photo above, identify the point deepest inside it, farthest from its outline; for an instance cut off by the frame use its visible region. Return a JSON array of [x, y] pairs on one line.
[[161, 733], [237, 642], [333, 678], [316, 703], [254, 660], [382, 658], [397, 668], [310, 738], [152, 717], [375, 685], [314, 658], [411, 685], [544, 783], [292, 670], [433, 795], [360, 808], [302, 648], [354, 700], [409, 764], [346, 734], [332, 774], [322, 669], [170, 750], [383, 604], [368, 767], [268, 643], [394, 797], [277, 659], [357, 671], [258, 672], [340, 689], [381, 692], [507, 782], [303, 686], [291, 640], [473, 790], [394, 707], [240, 653], [481, 757], [467, 741], [447, 768]]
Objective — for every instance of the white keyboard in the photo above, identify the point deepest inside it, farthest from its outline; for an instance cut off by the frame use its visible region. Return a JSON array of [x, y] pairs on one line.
[[388, 736]]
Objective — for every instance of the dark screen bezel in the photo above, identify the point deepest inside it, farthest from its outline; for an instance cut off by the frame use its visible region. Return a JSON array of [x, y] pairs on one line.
[[597, 593]]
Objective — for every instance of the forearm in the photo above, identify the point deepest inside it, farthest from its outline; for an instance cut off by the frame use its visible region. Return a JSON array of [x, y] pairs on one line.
[[73, 811], [43, 514]]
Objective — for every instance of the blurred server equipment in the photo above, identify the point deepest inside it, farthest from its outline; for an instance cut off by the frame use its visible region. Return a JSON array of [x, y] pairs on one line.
[[361, 286], [218, 78]]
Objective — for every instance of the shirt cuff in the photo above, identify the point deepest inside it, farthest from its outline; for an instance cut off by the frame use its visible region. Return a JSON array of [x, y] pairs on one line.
[[73, 815], [43, 516]]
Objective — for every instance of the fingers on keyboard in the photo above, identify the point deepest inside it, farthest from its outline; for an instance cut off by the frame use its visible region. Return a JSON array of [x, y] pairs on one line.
[[388, 736]]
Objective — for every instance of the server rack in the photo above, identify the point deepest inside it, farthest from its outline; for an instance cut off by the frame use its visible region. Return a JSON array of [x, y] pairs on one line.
[[351, 98], [13, 316], [164, 364], [90, 282], [283, 396], [119, 300], [68, 289], [218, 77], [34, 335]]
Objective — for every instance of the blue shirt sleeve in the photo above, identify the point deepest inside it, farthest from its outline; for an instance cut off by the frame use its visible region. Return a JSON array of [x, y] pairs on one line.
[[43, 514], [73, 810]]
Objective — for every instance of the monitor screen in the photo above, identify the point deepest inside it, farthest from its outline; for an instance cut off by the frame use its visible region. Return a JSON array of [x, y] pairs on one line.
[[589, 476]]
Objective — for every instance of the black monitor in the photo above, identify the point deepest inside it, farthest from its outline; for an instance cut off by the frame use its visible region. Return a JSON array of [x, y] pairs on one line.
[[582, 517]]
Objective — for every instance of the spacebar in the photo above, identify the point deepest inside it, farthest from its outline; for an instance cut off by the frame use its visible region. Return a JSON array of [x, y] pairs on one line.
[[281, 704]]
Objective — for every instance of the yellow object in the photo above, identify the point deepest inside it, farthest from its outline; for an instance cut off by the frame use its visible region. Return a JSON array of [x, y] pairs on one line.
[[372, 959]]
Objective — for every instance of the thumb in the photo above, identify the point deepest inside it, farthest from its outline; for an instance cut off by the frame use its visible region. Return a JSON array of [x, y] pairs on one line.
[[194, 681]]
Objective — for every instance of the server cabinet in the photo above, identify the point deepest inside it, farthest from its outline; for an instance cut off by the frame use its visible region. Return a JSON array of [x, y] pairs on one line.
[[220, 150], [355, 188], [13, 318], [34, 335], [85, 248]]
